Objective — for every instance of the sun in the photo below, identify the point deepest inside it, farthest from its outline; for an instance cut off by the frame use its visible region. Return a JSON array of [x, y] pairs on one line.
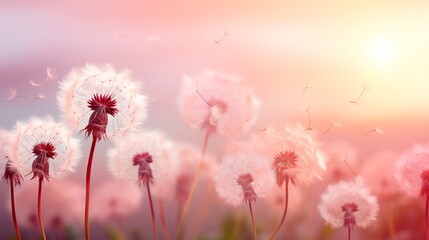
[[382, 50]]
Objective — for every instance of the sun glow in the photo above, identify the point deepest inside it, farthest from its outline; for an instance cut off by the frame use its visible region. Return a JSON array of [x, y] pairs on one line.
[[382, 50]]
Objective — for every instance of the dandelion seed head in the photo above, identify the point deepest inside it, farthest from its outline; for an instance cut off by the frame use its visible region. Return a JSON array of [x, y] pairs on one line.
[[238, 169], [128, 160], [44, 152], [294, 153], [4, 149], [101, 101], [409, 168], [348, 204], [245, 182], [223, 104], [44, 148], [10, 172]]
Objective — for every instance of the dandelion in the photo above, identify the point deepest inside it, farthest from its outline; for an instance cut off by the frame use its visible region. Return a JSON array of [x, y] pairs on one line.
[[348, 205], [147, 158], [412, 173], [116, 200], [242, 178], [11, 175], [295, 156], [44, 149], [101, 103], [219, 104]]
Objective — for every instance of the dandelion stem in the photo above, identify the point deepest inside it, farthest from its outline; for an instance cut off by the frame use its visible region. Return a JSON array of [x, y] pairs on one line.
[[349, 232], [179, 215], [151, 210], [88, 187], [284, 210], [161, 215], [426, 217], [204, 210], [390, 223], [237, 225], [12, 202], [194, 183], [255, 237], [39, 213]]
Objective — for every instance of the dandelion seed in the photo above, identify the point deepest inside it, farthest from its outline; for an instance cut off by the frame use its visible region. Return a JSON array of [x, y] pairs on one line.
[[34, 84], [50, 73], [12, 94], [333, 124], [308, 86], [378, 130], [360, 96], [50, 76], [39, 96], [226, 34], [309, 119], [348, 205]]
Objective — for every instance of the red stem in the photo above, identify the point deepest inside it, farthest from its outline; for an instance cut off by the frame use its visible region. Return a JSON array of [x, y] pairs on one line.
[[88, 187], [194, 184], [284, 210], [151, 210], [179, 215], [426, 217], [253, 221], [349, 232], [39, 213], [12, 201], [164, 224]]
